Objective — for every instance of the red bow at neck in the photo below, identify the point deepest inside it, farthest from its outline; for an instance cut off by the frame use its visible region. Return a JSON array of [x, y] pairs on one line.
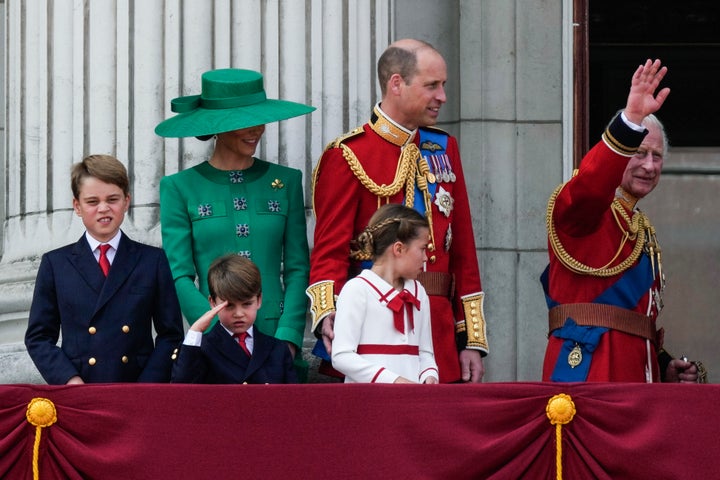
[[396, 305]]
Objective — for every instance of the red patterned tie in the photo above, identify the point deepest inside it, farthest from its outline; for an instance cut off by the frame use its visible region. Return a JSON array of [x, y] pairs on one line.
[[241, 340], [103, 260]]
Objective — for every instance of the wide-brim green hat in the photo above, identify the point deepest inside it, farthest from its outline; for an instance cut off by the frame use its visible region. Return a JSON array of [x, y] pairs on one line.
[[231, 99]]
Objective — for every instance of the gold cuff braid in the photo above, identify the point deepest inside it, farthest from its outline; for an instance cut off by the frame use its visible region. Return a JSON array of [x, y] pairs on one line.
[[322, 301], [474, 321]]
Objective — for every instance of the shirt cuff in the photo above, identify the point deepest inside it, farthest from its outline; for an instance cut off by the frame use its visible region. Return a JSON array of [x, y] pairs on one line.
[[634, 126], [193, 338]]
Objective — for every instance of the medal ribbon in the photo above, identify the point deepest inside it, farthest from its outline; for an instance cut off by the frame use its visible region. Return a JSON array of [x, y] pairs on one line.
[[427, 137]]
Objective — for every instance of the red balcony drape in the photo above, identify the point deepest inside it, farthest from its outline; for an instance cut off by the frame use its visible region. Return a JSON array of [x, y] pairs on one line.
[[488, 431]]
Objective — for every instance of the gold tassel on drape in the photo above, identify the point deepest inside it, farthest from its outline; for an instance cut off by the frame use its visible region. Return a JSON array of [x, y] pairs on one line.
[[41, 413], [560, 410]]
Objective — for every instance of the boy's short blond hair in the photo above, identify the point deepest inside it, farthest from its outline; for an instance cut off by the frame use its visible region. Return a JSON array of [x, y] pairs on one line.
[[234, 277], [103, 167]]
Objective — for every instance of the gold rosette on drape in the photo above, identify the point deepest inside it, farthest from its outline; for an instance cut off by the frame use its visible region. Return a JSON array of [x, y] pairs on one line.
[[560, 410], [41, 413]]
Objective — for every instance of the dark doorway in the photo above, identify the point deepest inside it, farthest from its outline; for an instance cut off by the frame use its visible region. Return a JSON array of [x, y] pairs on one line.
[[685, 35]]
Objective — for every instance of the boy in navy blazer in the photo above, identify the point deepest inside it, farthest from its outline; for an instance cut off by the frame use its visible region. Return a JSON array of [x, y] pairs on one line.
[[104, 293], [233, 351]]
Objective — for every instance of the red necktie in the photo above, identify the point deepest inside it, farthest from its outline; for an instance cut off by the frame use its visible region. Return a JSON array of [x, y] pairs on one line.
[[396, 305], [103, 260], [241, 340]]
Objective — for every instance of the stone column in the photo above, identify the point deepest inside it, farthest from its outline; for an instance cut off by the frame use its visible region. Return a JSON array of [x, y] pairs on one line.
[[96, 77]]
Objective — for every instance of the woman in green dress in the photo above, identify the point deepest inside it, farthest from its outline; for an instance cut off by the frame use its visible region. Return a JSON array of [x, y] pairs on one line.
[[237, 203]]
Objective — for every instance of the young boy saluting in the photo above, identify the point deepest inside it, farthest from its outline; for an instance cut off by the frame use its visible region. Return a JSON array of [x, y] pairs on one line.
[[104, 293], [233, 351]]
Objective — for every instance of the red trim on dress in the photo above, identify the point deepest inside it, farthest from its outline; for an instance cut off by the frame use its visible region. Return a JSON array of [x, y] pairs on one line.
[[376, 349]]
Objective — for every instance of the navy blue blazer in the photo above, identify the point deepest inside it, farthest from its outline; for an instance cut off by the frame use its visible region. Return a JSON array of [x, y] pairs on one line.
[[106, 323], [220, 359]]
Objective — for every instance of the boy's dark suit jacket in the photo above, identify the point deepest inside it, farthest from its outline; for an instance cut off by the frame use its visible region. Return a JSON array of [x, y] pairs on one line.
[[106, 323], [220, 359]]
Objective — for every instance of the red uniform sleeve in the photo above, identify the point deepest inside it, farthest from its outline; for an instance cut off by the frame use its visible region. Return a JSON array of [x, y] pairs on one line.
[[586, 197], [335, 207]]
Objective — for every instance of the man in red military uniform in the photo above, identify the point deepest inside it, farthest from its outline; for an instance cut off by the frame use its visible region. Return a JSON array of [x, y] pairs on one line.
[[604, 283], [396, 158]]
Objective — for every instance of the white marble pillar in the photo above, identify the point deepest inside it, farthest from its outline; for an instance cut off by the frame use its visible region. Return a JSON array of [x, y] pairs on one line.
[[96, 77]]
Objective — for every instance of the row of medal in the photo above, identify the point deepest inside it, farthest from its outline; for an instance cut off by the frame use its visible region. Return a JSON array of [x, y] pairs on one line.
[[441, 167]]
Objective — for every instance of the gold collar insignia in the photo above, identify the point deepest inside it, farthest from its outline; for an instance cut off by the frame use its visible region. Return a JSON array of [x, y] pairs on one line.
[[388, 129], [626, 199]]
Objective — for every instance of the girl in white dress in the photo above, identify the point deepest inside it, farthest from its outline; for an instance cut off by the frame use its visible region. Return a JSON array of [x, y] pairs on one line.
[[382, 323]]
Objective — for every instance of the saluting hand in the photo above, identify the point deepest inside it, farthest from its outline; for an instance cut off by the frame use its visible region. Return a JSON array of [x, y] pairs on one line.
[[202, 323]]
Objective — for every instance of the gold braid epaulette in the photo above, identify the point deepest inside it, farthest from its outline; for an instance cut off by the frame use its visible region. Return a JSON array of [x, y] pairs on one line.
[[634, 229], [339, 140], [334, 144]]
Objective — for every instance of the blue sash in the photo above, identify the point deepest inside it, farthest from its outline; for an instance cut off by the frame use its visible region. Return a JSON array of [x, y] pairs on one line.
[[626, 292], [575, 336], [320, 351], [435, 138]]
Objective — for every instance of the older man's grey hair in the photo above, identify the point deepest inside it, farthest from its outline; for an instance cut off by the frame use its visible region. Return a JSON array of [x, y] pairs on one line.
[[654, 121]]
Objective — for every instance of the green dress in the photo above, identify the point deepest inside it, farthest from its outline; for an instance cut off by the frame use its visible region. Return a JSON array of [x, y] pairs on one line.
[[258, 213]]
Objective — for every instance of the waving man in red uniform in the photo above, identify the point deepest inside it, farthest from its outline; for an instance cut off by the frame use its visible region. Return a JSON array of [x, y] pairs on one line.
[[604, 283]]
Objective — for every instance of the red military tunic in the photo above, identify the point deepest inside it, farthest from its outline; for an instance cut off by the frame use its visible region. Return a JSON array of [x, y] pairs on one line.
[[589, 232], [343, 206]]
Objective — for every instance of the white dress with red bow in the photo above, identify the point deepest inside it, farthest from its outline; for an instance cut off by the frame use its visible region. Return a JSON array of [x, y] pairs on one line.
[[382, 333]]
